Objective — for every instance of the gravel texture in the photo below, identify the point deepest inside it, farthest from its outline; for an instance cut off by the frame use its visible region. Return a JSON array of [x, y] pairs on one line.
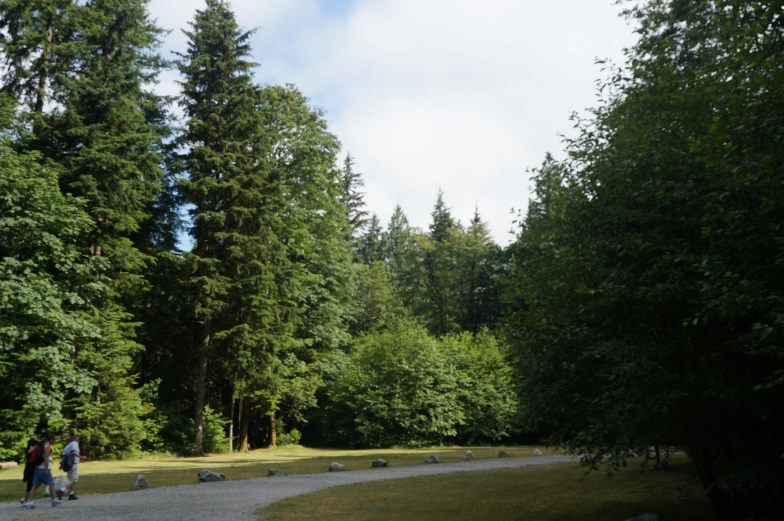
[[233, 500]]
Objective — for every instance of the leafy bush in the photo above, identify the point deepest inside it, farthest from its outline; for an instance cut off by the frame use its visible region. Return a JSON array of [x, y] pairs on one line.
[[289, 438], [405, 387]]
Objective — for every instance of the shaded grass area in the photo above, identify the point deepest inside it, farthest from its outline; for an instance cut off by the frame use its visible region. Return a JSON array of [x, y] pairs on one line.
[[553, 493], [100, 477]]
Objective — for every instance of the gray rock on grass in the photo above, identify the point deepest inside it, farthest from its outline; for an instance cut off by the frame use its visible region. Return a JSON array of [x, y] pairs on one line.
[[379, 463], [276, 472], [433, 459], [502, 454], [141, 483], [469, 455], [207, 476], [336, 467], [538, 452]]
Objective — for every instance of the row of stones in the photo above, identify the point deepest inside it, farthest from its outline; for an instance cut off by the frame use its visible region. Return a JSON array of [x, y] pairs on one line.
[[210, 476]]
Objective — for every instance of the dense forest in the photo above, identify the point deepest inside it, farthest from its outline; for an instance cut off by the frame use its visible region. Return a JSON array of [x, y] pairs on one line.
[[640, 304]]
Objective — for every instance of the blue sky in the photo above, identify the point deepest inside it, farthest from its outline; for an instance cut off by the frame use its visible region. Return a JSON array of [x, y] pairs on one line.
[[426, 94]]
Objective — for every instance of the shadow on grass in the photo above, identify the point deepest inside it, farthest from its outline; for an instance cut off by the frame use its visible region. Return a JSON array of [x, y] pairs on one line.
[[556, 493]]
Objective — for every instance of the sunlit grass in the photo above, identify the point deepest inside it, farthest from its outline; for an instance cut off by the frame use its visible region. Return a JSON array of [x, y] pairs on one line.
[[553, 493], [99, 477]]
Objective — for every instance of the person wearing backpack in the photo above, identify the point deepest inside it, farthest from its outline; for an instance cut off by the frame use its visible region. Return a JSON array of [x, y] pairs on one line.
[[43, 471], [29, 468], [69, 462]]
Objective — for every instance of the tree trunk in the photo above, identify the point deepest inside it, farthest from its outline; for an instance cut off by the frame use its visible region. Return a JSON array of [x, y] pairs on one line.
[[42, 79], [245, 415], [658, 455], [231, 426], [202, 341], [721, 505], [273, 434]]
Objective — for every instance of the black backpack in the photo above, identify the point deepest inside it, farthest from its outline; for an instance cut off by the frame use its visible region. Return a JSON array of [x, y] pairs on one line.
[[67, 462], [37, 455]]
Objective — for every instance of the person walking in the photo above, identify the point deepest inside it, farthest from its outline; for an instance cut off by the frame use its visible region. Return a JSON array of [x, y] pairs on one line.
[[29, 469], [72, 455], [43, 474]]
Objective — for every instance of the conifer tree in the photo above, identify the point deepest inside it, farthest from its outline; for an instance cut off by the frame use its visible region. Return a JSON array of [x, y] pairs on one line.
[[443, 221], [397, 239], [218, 100], [103, 132], [479, 269], [350, 184], [370, 244], [440, 264], [108, 139], [313, 232], [36, 36]]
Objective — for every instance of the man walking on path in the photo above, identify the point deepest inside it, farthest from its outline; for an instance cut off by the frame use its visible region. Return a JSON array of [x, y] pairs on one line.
[[43, 474], [72, 450]]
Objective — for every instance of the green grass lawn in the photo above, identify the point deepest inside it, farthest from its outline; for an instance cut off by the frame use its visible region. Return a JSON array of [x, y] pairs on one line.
[[99, 477], [554, 493]]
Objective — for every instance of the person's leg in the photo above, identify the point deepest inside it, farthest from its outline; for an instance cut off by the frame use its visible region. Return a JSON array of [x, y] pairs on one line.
[[49, 480], [29, 491], [37, 482], [73, 479]]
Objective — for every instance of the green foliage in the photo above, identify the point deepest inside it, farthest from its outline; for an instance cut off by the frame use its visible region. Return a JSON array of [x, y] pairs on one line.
[[401, 386], [450, 277], [649, 261], [289, 438], [352, 199], [376, 303], [44, 284], [370, 246], [114, 427]]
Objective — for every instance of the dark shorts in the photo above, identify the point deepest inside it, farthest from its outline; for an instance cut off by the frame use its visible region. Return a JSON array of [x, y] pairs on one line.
[[42, 478]]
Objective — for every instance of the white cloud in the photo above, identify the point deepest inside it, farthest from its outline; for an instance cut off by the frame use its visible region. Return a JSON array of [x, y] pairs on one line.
[[456, 94]]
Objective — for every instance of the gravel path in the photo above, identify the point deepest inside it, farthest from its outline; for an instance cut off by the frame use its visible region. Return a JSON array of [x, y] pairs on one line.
[[233, 500]]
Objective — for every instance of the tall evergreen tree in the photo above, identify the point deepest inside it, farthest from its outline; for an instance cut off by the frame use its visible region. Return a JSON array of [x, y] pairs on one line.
[[352, 198], [479, 260], [315, 293], [108, 139], [218, 100], [397, 238], [440, 266], [103, 133], [443, 221], [370, 247], [35, 42]]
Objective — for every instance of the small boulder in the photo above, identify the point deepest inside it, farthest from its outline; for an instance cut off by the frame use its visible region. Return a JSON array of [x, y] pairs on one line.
[[6, 465], [433, 459], [379, 463], [502, 454], [538, 452], [336, 467], [469, 455], [647, 517], [206, 476], [276, 472], [141, 483]]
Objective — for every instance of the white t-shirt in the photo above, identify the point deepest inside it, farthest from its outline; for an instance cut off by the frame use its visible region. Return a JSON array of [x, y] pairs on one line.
[[73, 446], [43, 465]]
